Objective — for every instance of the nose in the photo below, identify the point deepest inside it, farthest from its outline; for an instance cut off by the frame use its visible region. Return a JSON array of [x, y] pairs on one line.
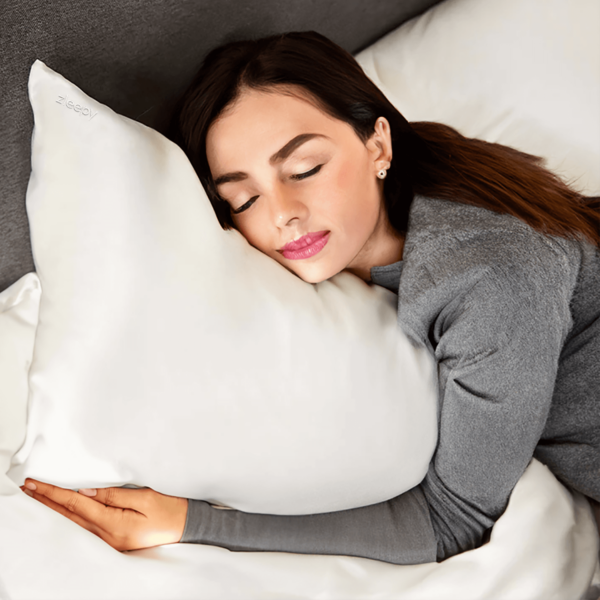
[[287, 207]]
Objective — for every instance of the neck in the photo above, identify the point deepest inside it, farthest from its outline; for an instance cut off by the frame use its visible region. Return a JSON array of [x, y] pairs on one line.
[[387, 251]]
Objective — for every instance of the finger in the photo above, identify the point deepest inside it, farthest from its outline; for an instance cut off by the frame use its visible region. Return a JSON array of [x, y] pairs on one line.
[[82, 506], [133, 499], [91, 527], [64, 511]]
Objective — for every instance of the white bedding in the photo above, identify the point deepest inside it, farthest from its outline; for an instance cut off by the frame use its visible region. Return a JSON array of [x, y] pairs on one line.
[[535, 85], [544, 547]]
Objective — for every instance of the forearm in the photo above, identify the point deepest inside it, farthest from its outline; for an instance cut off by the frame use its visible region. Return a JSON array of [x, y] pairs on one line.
[[396, 531]]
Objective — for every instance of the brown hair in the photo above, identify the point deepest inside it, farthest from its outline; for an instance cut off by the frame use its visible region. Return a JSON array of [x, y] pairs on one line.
[[430, 159]]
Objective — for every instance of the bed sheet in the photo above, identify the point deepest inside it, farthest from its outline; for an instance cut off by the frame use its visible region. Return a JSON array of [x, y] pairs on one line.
[[44, 556]]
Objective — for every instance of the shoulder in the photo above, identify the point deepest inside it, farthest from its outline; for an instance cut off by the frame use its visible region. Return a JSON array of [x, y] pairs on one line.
[[463, 260], [449, 238]]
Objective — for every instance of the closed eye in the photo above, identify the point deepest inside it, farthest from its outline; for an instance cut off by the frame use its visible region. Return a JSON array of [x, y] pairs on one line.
[[300, 176], [245, 206], [297, 177]]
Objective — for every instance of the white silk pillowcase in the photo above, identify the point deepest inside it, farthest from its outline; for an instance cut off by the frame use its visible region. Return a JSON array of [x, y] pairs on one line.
[[172, 354], [19, 305]]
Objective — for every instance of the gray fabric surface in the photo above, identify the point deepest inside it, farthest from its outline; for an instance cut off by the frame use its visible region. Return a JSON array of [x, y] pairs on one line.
[[513, 320], [503, 309], [371, 531], [138, 57]]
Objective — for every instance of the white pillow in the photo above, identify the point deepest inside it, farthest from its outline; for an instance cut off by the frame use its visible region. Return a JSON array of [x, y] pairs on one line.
[[525, 73], [172, 354], [19, 306]]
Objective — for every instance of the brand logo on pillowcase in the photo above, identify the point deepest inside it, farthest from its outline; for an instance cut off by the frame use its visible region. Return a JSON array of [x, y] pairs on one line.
[[82, 110]]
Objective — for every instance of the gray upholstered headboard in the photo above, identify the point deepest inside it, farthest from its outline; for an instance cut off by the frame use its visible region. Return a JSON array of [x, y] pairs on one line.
[[137, 56]]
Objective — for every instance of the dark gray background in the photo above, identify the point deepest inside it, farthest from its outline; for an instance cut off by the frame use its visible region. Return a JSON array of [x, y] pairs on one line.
[[137, 56]]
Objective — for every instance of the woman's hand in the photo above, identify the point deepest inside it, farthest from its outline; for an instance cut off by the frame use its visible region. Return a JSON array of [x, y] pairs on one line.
[[127, 519]]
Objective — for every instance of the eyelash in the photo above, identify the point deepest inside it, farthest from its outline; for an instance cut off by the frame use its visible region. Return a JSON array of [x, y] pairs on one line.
[[298, 177], [244, 207], [306, 174]]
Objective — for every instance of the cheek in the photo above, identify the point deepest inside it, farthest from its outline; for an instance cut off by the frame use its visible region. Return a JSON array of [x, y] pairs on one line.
[[255, 230], [349, 174], [358, 192], [247, 229], [355, 178]]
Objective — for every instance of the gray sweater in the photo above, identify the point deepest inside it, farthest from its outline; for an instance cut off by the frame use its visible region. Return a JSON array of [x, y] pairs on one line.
[[512, 318]]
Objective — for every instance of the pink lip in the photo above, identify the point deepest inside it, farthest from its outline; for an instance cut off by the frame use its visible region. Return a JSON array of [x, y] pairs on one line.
[[305, 247]]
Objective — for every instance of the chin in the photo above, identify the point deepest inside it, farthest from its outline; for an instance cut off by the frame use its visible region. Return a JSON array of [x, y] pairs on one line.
[[313, 279], [316, 275], [313, 272]]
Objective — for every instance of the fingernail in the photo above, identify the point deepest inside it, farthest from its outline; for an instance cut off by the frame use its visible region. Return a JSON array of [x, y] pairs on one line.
[[28, 492], [87, 492], [31, 486]]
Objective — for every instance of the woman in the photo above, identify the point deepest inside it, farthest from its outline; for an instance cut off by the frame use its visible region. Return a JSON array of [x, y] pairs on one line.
[[495, 262]]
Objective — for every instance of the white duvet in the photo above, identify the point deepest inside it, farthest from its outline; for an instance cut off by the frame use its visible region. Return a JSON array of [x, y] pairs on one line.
[[522, 72], [544, 547]]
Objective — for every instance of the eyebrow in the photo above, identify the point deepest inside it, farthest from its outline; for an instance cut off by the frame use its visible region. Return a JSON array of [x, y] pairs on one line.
[[278, 157]]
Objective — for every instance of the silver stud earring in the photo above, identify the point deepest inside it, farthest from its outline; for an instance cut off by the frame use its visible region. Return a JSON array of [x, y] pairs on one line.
[[381, 174]]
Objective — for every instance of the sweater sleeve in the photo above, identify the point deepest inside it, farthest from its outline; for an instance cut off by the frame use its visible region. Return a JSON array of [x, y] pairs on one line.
[[396, 531], [496, 318]]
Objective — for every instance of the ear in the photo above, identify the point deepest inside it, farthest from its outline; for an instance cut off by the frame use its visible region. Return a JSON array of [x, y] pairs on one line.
[[379, 144]]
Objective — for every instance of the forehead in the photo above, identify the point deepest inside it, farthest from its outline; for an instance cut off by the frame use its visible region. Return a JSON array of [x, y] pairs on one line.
[[261, 122]]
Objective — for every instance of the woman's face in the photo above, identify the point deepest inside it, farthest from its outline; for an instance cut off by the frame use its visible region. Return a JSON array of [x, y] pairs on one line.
[[302, 186]]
